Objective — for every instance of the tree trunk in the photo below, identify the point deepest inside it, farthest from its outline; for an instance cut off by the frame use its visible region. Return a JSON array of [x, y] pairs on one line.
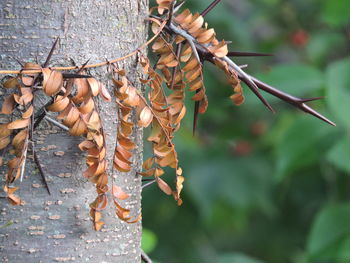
[[56, 227]]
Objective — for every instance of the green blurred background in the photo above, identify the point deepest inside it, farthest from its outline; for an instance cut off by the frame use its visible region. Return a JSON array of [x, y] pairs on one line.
[[263, 187]]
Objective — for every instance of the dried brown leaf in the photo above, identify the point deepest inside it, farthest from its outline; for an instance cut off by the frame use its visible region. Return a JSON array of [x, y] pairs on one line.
[[119, 193], [4, 141], [104, 93], [60, 104], [146, 117], [18, 124], [53, 81], [164, 186], [79, 128], [11, 83], [8, 105], [94, 86], [28, 113]]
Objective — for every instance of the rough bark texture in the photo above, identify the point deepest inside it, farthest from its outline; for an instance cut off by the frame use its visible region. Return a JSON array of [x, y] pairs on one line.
[[57, 228]]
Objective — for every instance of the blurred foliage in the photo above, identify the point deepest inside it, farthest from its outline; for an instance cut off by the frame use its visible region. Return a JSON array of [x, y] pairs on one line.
[[263, 187], [149, 240]]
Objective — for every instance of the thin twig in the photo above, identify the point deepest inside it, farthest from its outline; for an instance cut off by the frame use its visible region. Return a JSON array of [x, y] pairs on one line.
[[210, 7], [148, 184], [249, 80], [56, 123], [31, 71], [145, 258], [203, 49], [24, 157]]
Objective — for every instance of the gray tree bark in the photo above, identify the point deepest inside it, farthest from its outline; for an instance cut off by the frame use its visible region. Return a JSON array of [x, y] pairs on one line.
[[57, 228]]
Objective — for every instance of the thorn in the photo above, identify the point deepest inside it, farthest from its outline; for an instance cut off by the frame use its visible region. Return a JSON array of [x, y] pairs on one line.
[[36, 160], [178, 6], [196, 109], [247, 79], [311, 111], [171, 12], [253, 87], [247, 54], [50, 53], [210, 7], [195, 117], [296, 102], [83, 66], [73, 62], [311, 99], [75, 76], [174, 70], [19, 62]]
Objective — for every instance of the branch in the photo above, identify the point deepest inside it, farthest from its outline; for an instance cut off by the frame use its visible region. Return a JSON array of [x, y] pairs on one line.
[[252, 82], [172, 28], [295, 101], [210, 7], [144, 257]]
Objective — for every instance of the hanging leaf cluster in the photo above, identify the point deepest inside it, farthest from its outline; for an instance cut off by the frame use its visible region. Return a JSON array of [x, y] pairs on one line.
[[182, 42]]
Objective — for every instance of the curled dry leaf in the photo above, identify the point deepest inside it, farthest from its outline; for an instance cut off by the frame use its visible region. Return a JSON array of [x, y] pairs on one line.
[[19, 138], [71, 116], [4, 141], [8, 105], [104, 93], [94, 86], [18, 124], [59, 104], [53, 81], [28, 113], [148, 163], [146, 117], [83, 89], [164, 186], [79, 128], [94, 122], [4, 131], [119, 193], [179, 186], [11, 83], [87, 106]]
